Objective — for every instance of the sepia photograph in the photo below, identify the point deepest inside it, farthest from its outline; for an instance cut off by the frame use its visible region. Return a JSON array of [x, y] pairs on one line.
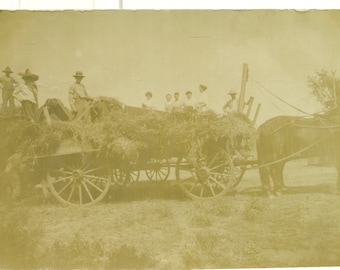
[[169, 139]]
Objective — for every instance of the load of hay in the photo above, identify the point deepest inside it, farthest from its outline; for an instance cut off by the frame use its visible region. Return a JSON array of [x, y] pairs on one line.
[[127, 136]]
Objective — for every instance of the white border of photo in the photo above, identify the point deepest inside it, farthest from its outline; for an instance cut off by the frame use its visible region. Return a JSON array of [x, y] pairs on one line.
[[166, 4]]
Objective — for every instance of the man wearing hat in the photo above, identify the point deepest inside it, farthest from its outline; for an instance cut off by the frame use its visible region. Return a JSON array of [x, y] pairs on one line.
[[8, 84], [148, 102], [27, 94], [202, 103], [231, 105], [77, 96]]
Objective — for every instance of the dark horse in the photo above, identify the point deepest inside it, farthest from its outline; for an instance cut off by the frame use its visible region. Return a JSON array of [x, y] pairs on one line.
[[284, 138]]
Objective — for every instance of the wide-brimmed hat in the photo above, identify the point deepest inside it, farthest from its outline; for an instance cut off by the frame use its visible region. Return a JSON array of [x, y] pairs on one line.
[[203, 87], [79, 74], [29, 75], [7, 70], [148, 94], [188, 92], [232, 92]]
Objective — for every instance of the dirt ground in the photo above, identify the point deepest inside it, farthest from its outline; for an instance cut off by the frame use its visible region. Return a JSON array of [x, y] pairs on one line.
[[151, 225]]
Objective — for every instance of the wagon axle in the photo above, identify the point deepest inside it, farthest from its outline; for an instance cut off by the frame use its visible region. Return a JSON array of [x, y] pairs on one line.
[[78, 175], [203, 173]]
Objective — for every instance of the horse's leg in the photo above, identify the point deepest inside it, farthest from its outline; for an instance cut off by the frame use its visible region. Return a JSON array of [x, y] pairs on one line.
[[278, 181], [265, 179], [283, 186]]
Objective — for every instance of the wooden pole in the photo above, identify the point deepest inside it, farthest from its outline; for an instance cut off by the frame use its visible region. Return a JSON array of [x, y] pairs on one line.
[[256, 113], [250, 105], [243, 88]]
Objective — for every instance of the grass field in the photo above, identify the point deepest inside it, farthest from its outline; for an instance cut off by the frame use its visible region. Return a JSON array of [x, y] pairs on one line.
[[152, 225]]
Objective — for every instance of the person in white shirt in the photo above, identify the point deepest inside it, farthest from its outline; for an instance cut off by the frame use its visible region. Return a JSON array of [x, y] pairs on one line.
[[168, 103], [232, 104], [7, 84], [148, 102], [190, 102], [202, 102], [177, 104], [78, 97], [27, 95]]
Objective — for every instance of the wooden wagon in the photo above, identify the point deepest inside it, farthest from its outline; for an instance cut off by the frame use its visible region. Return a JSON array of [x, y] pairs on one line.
[[83, 176]]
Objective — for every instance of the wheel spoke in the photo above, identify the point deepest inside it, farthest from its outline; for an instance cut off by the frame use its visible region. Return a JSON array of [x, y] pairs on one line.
[[89, 182], [202, 188], [95, 169], [87, 190], [65, 187], [70, 195], [219, 166], [194, 185], [217, 182], [80, 195], [60, 179], [211, 188], [95, 177], [213, 160]]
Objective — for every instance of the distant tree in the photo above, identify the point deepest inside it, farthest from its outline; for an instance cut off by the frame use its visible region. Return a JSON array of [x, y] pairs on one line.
[[326, 87]]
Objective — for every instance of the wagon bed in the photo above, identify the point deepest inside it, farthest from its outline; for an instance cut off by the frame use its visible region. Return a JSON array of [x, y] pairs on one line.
[[83, 176]]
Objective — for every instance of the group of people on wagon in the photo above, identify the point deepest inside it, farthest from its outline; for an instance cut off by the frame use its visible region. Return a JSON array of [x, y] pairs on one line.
[[201, 103], [27, 94]]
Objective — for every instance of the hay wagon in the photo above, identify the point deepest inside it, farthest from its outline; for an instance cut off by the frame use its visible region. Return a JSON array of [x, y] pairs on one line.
[[79, 175]]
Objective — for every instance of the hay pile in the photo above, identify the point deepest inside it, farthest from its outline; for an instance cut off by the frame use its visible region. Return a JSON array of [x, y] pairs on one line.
[[150, 134]]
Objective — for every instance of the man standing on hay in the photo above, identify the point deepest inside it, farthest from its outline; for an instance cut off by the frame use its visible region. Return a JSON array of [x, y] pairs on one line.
[[8, 84], [78, 98], [27, 95], [232, 104]]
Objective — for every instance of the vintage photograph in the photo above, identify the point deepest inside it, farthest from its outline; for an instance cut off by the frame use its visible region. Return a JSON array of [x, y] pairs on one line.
[[169, 139]]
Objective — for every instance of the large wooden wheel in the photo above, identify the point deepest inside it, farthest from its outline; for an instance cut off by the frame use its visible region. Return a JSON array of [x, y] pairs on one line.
[[78, 179], [158, 170], [238, 174], [206, 177], [122, 180]]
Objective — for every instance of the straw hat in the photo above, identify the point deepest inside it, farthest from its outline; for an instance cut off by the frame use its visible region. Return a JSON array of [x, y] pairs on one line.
[[79, 74], [203, 87], [232, 92], [29, 75], [7, 70]]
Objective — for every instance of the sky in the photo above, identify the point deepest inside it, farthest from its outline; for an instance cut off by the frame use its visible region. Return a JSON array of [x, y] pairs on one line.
[[123, 54]]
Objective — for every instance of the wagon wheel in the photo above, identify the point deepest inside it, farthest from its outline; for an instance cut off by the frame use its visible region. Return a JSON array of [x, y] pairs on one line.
[[78, 179], [207, 177], [159, 170], [238, 173], [122, 180]]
